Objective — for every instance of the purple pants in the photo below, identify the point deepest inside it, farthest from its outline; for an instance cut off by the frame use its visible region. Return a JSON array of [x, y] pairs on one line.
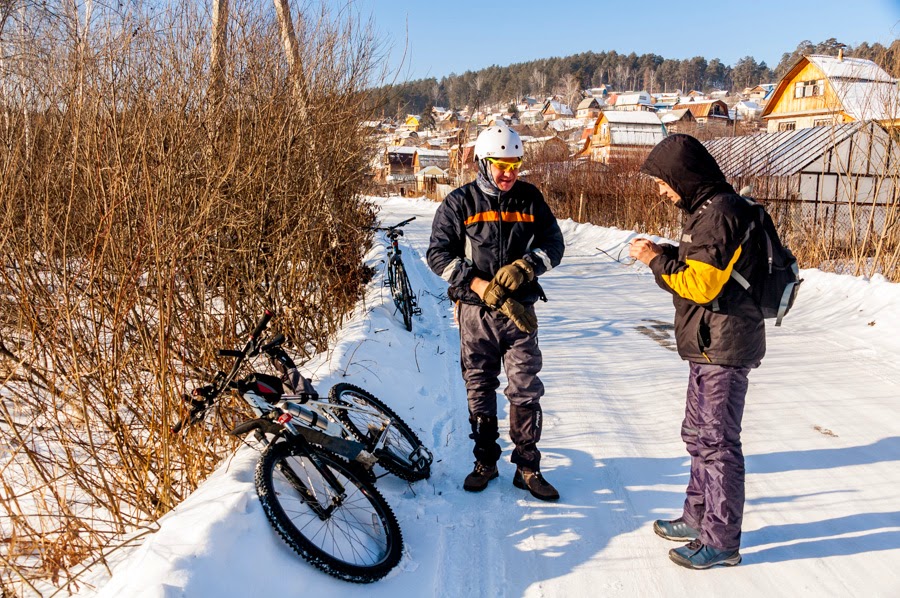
[[712, 433]]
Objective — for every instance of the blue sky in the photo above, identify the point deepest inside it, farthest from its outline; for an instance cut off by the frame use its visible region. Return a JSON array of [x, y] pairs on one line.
[[453, 37]]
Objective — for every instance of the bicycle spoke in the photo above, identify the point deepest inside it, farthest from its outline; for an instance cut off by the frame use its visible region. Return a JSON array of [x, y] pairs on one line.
[[347, 532]]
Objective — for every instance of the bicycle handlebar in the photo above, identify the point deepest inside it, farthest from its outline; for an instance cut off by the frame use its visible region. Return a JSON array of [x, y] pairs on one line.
[[211, 392], [394, 227], [263, 322]]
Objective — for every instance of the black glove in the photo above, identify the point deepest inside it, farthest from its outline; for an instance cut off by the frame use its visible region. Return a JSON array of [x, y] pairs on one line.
[[513, 275]]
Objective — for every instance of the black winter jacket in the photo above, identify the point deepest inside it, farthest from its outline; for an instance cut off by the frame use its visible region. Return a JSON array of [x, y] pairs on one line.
[[716, 320], [475, 234]]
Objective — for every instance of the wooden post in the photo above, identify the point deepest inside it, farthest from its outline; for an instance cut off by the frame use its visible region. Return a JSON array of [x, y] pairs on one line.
[[217, 59], [580, 206]]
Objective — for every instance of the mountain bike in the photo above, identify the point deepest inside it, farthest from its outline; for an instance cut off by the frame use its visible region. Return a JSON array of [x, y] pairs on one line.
[[397, 280], [315, 476]]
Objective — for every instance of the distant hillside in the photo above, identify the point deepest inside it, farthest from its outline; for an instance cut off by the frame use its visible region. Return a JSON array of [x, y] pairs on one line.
[[567, 76]]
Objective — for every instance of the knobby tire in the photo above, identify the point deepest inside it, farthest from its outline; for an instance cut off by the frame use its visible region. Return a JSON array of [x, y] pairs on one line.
[[401, 440], [401, 292], [358, 541]]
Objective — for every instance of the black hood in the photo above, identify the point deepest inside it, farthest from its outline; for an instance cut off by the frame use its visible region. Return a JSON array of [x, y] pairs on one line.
[[688, 168]]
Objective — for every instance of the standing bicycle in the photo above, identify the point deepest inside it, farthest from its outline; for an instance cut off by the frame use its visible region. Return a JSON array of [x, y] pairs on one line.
[[314, 477], [397, 280]]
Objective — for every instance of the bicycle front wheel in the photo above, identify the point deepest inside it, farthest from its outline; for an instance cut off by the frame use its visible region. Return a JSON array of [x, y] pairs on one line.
[[402, 292], [403, 453], [328, 512]]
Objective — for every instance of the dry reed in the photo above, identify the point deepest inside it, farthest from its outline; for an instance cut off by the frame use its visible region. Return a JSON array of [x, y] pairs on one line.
[[143, 226]]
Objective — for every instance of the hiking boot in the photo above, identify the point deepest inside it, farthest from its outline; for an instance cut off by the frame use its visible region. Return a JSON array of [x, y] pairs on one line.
[[535, 483], [699, 556], [480, 476], [676, 530]]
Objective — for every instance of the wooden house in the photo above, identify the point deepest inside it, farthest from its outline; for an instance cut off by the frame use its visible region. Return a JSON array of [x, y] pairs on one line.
[[400, 163], [447, 120], [554, 109], [678, 121], [620, 135], [828, 90], [424, 158], [530, 117], [411, 123], [759, 93], [707, 112], [588, 108], [634, 101]]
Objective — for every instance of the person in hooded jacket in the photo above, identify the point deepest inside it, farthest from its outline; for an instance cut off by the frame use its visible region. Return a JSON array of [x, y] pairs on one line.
[[719, 330], [490, 240]]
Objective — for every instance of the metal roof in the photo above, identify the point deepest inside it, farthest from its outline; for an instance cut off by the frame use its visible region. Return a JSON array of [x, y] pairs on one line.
[[777, 154], [637, 117]]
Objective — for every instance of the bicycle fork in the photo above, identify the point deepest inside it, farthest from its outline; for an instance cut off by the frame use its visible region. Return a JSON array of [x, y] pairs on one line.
[[420, 458], [308, 492]]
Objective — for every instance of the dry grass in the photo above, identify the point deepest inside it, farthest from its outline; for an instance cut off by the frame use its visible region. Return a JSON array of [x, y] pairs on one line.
[[606, 194], [143, 227]]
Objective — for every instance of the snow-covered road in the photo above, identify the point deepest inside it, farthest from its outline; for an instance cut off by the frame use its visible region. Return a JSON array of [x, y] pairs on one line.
[[821, 435]]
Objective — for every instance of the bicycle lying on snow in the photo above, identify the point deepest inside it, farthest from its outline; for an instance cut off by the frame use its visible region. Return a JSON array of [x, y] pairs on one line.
[[397, 280], [314, 477]]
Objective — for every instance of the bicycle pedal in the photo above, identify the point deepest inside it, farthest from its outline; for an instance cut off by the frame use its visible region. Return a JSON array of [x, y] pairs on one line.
[[421, 458]]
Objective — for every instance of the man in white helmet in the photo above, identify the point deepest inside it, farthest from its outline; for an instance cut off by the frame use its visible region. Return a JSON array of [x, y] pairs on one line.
[[490, 240]]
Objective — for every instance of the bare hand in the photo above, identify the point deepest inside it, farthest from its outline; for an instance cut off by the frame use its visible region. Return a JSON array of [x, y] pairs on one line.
[[644, 250], [478, 285]]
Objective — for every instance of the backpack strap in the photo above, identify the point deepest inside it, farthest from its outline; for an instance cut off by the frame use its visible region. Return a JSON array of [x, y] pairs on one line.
[[737, 276]]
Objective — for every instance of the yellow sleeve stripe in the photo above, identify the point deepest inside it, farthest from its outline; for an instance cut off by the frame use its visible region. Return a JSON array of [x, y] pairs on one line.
[[700, 282]]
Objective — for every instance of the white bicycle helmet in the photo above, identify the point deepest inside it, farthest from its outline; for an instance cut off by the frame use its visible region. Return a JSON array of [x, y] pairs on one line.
[[498, 141]]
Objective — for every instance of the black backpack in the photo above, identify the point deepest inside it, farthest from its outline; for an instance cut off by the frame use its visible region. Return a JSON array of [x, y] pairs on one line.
[[776, 279]]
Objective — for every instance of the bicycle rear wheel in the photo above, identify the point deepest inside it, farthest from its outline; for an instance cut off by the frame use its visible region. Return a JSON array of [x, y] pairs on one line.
[[328, 512], [403, 453], [402, 292]]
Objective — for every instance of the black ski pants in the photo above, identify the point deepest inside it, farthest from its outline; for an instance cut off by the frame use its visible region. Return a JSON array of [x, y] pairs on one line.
[[487, 340]]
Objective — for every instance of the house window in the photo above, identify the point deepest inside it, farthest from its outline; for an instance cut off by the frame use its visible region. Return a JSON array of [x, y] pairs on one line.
[[823, 122], [789, 125], [806, 89]]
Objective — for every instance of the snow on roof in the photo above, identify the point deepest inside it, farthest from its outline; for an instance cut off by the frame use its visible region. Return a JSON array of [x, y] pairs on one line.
[[857, 69], [673, 115], [403, 149], [641, 117], [431, 171], [432, 153], [865, 90], [634, 128], [565, 124], [633, 98], [560, 108]]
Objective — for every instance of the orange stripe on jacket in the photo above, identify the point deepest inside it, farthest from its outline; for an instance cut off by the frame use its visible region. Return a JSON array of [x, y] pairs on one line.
[[494, 216]]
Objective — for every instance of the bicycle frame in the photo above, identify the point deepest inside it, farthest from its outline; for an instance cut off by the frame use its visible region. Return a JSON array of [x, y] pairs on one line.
[[401, 291], [303, 415]]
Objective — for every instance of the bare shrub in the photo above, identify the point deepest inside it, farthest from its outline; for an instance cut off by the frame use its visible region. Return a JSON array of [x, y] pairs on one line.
[[614, 194], [142, 228]]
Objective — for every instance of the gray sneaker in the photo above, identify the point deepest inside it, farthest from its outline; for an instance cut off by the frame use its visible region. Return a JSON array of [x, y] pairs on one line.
[[699, 556], [676, 530]]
